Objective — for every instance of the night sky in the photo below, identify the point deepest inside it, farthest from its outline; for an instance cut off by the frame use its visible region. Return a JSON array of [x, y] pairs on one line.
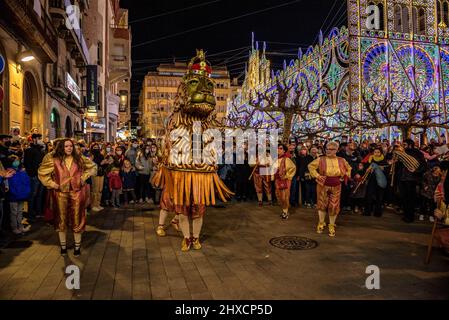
[[284, 28]]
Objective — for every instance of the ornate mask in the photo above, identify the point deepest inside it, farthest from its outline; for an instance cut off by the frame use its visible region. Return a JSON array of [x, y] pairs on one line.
[[198, 88]]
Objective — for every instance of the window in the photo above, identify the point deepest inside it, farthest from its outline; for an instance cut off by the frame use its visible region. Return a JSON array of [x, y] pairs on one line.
[[382, 15], [100, 53], [415, 20], [401, 19], [118, 52], [405, 19], [446, 13], [422, 21], [398, 18]]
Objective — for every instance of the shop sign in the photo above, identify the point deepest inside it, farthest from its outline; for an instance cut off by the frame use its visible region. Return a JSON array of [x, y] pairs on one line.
[[92, 89], [2, 64], [73, 87]]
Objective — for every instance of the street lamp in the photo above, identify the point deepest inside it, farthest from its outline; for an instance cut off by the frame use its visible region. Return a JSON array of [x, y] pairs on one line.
[[25, 56]]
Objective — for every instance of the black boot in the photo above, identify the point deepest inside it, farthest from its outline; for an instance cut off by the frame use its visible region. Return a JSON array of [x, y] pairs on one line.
[[77, 252], [63, 251]]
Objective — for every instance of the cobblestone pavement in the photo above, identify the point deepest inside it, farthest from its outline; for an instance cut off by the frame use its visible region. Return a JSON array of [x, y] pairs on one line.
[[122, 258]]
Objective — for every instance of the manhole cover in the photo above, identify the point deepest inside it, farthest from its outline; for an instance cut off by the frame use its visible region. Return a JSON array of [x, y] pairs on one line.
[[293, 243]]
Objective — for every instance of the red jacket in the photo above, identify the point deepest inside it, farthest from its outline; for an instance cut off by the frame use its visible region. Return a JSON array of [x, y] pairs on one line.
[[115, 181]]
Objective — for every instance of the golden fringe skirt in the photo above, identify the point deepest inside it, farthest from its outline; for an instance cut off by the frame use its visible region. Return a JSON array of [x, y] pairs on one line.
[[189, 192]]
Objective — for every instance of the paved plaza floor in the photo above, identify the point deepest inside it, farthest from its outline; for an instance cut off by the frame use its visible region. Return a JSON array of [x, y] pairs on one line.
[[122, 258]]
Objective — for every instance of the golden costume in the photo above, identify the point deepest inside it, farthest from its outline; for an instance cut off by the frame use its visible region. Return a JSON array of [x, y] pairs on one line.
[[262, 182], [70, 199], [335, 170], [190, 183], [285, 170]]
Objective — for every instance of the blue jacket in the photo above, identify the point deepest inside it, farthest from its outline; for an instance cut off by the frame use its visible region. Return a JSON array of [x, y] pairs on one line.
[[19, 186]]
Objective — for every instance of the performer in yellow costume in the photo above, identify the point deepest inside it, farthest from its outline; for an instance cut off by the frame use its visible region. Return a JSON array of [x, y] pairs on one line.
[[284, 170], [263, 182], [329, 171], [189, 182], [65, 171]]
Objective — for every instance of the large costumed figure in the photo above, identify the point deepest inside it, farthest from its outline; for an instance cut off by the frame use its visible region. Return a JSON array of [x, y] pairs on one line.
[[190, 182]]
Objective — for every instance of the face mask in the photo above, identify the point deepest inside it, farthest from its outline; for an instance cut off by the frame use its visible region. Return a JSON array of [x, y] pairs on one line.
[[96, 150], [108, 149], [119, 153], [135, 145], [147, 150], [16, 163]]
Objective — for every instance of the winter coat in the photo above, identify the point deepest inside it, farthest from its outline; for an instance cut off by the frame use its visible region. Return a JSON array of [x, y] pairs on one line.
[[429, 184], [144, 165], [131, 155], [416, 176], [19, 186], [129, 179], [115, 181], [33, 158]]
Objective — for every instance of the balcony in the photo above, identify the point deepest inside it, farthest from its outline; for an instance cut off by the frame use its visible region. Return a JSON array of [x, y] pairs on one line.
[[73, 35], [32, 26], [120, 53]]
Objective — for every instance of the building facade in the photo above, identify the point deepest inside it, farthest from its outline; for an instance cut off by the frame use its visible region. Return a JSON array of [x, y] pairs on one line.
[[109, 40], [405, 56], [43, 73], [159, 93]]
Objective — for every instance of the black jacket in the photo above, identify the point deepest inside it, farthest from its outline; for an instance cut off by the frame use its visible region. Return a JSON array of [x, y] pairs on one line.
[[416, 176], [32, 159], [4, 154]]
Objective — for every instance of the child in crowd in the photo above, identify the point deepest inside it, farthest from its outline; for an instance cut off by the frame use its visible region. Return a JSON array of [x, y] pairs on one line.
[[19, 190], [115, 186], [129, 178]]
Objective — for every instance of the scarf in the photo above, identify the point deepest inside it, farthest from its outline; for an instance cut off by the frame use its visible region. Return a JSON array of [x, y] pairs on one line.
[[376, 159]]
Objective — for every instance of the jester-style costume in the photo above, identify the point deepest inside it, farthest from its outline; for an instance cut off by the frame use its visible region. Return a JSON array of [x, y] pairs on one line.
[[190, 183], [335, 169], [69, 194], [285, 170], [262, 182]]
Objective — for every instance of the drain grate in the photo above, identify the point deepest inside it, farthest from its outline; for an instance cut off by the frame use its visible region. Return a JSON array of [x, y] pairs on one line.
[[293, 243]]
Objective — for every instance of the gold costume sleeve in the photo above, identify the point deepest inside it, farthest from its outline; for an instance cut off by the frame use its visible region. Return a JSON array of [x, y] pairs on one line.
[[313, 167], [90, 169], [349, 168], [290, 169], [46, 170]]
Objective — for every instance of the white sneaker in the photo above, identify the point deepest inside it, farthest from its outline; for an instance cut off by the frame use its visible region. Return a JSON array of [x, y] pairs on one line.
[[131, 202], [100, 207], [147, 200], [421, 217], [431, 219], [140, 200], [96, 209]]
